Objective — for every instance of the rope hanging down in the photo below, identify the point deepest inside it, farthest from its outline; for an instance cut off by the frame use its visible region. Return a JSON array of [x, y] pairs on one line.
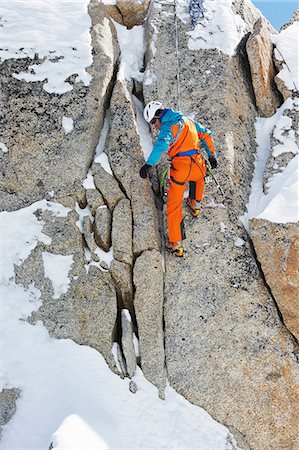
[[196, 11], [177, 57]]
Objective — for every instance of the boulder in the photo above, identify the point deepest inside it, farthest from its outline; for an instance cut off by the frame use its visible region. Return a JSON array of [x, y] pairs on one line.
[[259, 50], [88, 234], [102, 228], [107, 185], [122, 232], [122, 276], [43, 158], [126, 157], [129, 13], [148, 302], [277, 249], [94, 199], [8, 407], [127, 342]]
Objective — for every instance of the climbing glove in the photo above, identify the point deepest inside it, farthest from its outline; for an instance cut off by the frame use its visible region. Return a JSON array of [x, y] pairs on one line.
[[144, 171], [213, 162]]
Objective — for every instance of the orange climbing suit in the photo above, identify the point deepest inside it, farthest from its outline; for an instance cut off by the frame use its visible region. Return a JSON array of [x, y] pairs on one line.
[[185, 169]]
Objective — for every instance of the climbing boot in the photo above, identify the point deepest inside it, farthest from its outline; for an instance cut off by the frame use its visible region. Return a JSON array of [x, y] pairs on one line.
[[193, 205], [175, 249]]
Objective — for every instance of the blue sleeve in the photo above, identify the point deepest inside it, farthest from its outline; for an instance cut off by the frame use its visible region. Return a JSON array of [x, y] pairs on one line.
[[206, 140], [162, 143], [201, 129]]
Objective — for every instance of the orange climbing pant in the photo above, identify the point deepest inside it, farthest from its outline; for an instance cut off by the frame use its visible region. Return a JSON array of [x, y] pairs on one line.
[[184, 169]]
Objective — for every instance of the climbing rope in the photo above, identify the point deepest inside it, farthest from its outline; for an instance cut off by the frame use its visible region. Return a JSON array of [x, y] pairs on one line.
[[177, 55]]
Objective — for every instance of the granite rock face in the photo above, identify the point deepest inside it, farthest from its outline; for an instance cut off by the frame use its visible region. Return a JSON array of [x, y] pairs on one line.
[[259, 49], [43, 158], [225, 346], [277, 249]]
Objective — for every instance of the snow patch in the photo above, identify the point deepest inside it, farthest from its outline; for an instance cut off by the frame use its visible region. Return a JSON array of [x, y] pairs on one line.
[[82, 212], [55, 33], [143, 130], [286, 50], [3, 147], [132, 47], [88, 183], [220, 28], [68, 124], [128, 315], [280, 204], [57, 268], [21, 230], [75, 433]]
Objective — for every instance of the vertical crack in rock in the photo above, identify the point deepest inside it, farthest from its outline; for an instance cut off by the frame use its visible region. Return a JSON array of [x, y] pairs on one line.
[[135, 219]]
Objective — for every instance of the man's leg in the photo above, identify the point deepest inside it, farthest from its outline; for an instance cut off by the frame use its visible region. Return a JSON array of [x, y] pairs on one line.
[[196, 190], [175, 213]]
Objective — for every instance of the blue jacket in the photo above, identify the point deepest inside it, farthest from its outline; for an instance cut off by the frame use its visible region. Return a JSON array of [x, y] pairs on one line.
[[178, 132]]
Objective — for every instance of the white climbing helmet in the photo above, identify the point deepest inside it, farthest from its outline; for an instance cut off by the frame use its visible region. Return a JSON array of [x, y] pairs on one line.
[[150, 110]]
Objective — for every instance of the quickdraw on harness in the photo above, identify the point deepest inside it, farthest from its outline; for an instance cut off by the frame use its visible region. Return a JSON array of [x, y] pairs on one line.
[[189, 153]]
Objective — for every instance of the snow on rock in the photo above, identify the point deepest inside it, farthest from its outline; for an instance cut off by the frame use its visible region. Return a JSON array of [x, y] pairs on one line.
[[58, 36], [286, 52], [88, 183], [17, 223], [57, 268], [221, 28], [3, 147], [143, 130], [76, 433], [100, 156], [280, 203], [68, 124], [132, 46], [282, 199]]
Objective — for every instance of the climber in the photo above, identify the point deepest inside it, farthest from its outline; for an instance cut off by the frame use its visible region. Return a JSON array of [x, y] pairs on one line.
[[180, 136]]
